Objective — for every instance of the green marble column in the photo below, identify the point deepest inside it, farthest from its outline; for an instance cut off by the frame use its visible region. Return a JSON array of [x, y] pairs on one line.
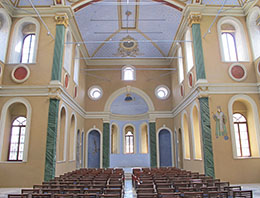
[[58, 53], [50, 156], [153, 150], [206, 137], [198, 52], [106, 135], [204, 104]]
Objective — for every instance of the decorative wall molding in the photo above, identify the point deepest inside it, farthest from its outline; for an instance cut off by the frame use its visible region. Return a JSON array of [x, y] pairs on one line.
[[202, 88]]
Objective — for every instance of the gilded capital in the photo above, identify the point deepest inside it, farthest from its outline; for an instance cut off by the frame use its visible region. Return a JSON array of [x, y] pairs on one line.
[[62, 19], [194, 18]]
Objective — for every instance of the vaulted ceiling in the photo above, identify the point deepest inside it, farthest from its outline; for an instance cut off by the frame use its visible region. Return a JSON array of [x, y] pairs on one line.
[[126, 29]]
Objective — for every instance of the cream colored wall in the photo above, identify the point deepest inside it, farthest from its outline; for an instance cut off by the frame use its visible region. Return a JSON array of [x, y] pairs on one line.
[[26, 174], [147, 81], [226, 167], [69, 164]]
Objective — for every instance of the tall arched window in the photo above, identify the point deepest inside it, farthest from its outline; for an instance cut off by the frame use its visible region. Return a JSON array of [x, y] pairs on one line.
[[241, 135], [128, 73], [76, 66], [28, 48], [61, 135], [17, 139], [15, 130], [68, 52], [196, 133], [25, 41], [72, 135], [180, 65], [5, 25], [129, 140], [186, 138], [244, 126], [253, 25], [114, 139], [232, 40], [189, 51], [144, 139]]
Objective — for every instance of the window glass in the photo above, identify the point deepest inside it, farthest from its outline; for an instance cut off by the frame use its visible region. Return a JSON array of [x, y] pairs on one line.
[[28, 48]]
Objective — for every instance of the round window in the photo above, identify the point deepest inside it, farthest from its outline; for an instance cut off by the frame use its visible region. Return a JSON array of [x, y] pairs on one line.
[[95, 92], [162, 92]]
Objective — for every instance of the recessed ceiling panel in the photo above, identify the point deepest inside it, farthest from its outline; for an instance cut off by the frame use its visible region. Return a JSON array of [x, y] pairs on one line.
[[36, 3]]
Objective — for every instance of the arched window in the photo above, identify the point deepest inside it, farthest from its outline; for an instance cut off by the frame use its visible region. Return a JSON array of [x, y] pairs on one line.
[[28, 48], [253, 24], [185, 129], [76, 66], [15, 130], [196, 133], [241, 135], [232, 40], [5, 25], [180, 65], [128, 73], [25, 41], [189, 51], [144, 139], [61, 136], [68, 52], [244, 126], [114, 139], [17, 139], [72, 139], [129, 140]]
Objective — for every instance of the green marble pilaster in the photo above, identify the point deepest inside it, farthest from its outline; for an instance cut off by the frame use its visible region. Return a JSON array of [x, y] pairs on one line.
[[58, 53], [198, 52], [153, 150], [50, 156], [206, 137], [106, 135]]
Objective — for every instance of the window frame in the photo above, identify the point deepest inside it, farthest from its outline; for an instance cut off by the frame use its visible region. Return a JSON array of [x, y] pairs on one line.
[[124, 70], [11, 132], [31, 50], [189, 50], [239, 136]]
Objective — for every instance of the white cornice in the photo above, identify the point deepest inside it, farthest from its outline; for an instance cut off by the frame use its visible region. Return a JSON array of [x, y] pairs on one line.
[[201, 89]]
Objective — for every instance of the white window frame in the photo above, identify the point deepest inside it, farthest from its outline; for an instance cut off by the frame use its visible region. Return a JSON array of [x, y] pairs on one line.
[[188, 51], [180, 65], [241, 44], [124, 70]]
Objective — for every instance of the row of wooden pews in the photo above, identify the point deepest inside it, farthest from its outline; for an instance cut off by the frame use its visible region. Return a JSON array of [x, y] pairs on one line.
[[172, 182], [83, 183]]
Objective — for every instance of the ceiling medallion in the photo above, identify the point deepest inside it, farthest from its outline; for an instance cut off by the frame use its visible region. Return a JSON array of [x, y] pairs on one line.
[[128, 47]]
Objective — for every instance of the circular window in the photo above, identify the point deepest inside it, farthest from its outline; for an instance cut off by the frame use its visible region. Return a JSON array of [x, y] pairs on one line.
[[95, 92], [162, 92]]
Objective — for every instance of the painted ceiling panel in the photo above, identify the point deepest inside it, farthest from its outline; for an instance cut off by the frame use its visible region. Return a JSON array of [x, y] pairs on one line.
[[36, 2], [135, 107], [163, 29], [220, 2], [93, 24], [145, 49]]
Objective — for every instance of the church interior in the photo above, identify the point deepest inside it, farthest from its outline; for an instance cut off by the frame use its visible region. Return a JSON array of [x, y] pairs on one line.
[[121, 84]]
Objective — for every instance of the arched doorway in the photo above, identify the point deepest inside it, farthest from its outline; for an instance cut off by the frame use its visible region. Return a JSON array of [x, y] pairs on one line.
[[165, 148], [94, 149]]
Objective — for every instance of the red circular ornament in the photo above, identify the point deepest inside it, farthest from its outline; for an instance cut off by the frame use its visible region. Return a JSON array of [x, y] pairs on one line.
[[20, 73], [66, 80], [75, 91], [182, 90], [237, 72], [190, 79]]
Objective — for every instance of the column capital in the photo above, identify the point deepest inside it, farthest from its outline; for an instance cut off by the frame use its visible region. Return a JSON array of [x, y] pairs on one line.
[[62, 19], [194, 18]]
